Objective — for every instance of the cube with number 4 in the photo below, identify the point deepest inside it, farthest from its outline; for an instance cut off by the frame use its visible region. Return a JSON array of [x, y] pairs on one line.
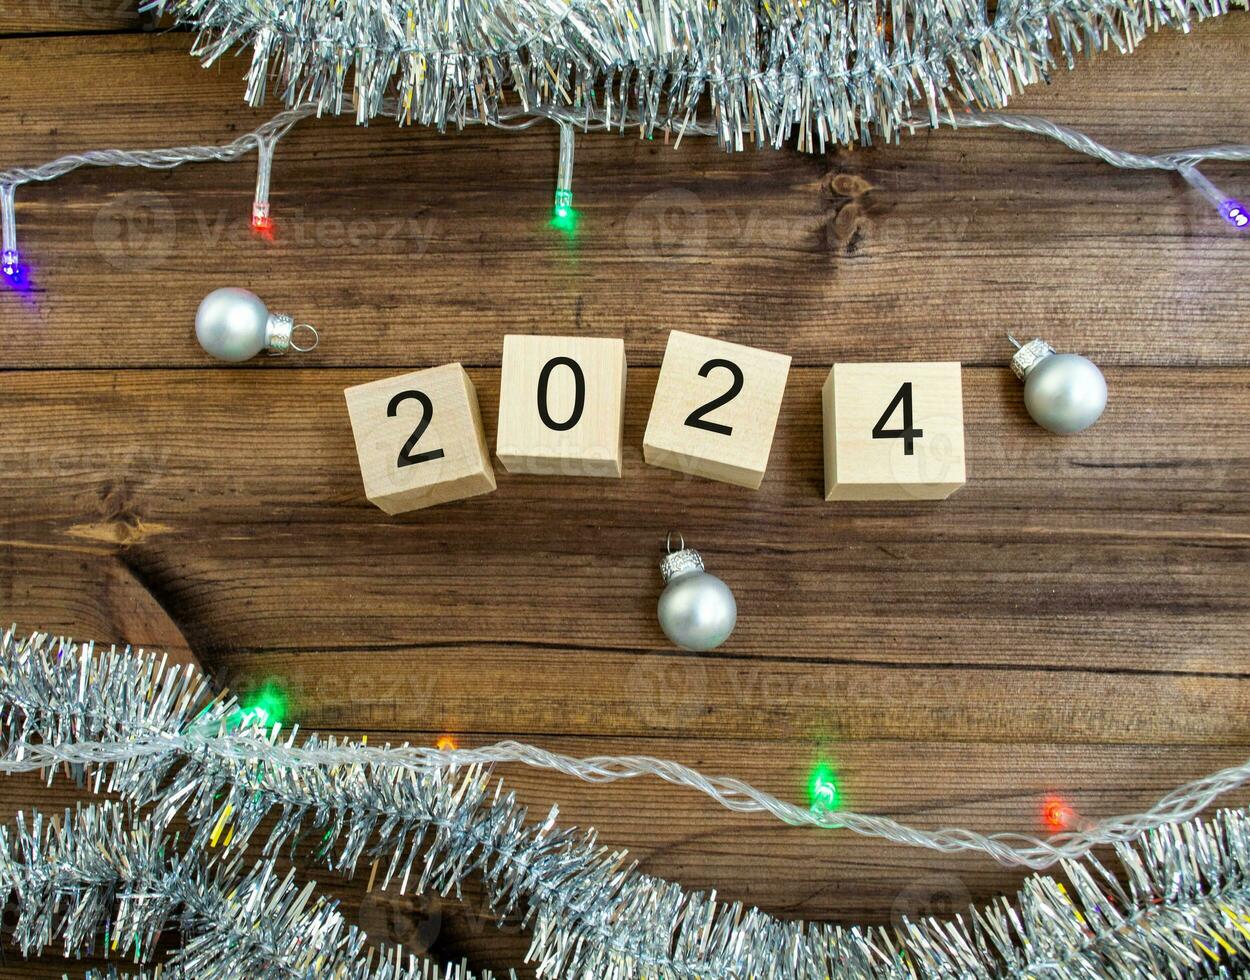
[[893, 431], [419, 439], [715, 409]]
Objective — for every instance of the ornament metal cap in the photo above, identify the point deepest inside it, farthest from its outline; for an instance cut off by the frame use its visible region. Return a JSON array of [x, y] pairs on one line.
[[680, 560], [280, 334], [1028, 356]]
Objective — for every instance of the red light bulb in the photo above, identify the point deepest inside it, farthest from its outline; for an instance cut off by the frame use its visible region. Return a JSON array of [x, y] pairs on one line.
[[1057, 814], [261, 221]]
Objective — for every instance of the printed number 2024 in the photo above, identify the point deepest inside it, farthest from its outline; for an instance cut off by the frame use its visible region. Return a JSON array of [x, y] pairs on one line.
[[695, 419]]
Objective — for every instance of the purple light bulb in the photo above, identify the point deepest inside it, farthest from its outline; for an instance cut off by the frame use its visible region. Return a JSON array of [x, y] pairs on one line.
[[1235, 213]]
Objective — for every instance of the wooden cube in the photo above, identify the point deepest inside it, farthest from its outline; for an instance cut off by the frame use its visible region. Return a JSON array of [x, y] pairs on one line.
[[893, 431], [419, 439], [715, 409], [561, 406]]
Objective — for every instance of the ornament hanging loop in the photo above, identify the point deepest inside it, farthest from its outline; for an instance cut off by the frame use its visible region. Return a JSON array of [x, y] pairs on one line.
[[668, 542], [307, 328], [282, 334]]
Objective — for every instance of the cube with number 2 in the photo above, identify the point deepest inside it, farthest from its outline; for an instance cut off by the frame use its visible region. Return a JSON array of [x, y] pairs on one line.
[[894, 431], [419, 439], [715, 409]]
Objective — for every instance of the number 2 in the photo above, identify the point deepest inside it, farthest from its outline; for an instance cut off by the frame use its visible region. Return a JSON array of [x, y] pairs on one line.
[[695, 419], [907, 433], [406, 457]]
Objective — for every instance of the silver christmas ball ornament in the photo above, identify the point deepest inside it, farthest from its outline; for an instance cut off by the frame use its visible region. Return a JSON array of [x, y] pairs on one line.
[[697, 611], [1063, 392], [233, 324]]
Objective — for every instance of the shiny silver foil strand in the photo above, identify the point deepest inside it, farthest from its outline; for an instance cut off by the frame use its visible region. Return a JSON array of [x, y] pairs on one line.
[[106, 882], [818, 72], [1181, 909]]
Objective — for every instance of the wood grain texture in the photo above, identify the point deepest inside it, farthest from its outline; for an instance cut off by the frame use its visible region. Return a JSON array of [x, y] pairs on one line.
[[1073, 620], [75, 17]]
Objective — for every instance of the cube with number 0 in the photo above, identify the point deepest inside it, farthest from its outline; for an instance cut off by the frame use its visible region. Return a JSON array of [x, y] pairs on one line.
[[715, 409], [894, 431], [561, 405], [419, 439]]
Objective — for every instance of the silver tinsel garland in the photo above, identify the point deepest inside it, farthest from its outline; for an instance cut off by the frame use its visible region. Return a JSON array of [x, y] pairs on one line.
[[1178, 905], [821, 71], [108, 882]]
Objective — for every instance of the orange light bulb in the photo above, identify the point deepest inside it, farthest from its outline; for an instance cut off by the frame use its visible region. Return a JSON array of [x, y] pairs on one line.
[[1057, 814]]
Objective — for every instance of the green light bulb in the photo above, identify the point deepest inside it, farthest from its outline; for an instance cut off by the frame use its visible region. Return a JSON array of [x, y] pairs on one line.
[[563, 217], [822, 788], [266, 707]]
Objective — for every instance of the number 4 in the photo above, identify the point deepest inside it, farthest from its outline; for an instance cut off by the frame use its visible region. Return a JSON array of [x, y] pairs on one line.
[[907, 433]]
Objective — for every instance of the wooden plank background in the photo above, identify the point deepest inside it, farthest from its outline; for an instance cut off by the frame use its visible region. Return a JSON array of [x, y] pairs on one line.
[[1074, 620]]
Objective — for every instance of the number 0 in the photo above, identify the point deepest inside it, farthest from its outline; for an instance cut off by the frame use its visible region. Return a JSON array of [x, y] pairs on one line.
[[579, 393], [406, 457], [906, 433]]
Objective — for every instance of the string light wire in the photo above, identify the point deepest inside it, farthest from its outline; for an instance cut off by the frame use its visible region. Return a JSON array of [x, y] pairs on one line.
[[1184, 162], [563, 216], [10, 258], [263, 141], [1011, 849], [265, 146], [165, 158]]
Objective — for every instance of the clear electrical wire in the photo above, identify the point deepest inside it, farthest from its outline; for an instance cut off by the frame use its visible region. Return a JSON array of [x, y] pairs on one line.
[[264, 139], [1010, 849], [1184, 162]]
